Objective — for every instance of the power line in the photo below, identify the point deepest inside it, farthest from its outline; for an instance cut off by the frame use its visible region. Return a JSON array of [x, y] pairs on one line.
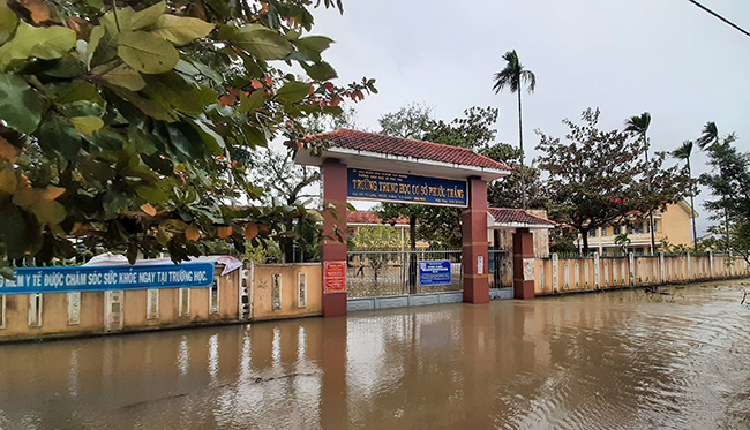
[[721, 18]]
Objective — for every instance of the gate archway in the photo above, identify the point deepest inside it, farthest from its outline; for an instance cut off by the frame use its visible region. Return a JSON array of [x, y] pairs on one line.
[[375, 167]]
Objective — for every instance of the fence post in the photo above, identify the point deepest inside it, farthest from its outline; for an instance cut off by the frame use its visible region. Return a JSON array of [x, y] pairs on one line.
[[690, 271], [596, 270], [631, 263], [554, 273], [661, 267], [731, 264], [711, 262]]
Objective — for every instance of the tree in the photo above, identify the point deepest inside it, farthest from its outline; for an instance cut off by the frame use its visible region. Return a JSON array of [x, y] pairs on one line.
[[683, 153], [473, 130], [513, 76], [711, 140], [412, 121], [132, 127], [731, 186], [640, 125], [290, 185], [624, 241], [597, 178], [508, 192]]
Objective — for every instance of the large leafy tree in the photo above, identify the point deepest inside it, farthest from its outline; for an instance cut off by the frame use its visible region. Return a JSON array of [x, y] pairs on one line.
[[439, 225], [683, 153], [711, 140], [729, 182], [508, 192], [597, 177], [290, 185], [514, 76], [639, 125], [132, 127]]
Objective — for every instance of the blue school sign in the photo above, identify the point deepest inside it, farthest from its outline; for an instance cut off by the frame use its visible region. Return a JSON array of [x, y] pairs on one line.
[[403, 188], [102, 278], [433, 273]]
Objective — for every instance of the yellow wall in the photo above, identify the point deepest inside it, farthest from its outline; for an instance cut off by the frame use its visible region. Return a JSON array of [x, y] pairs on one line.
[[262, 299], [675, 224]]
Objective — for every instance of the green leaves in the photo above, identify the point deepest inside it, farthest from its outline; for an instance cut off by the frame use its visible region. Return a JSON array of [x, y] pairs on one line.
[[43, 43], [172, 91], [321, 71], [147, 53], [19, 105], [8, 22], [312, 46], [261, 42], [126, 77], [293, 91], [87, 124], [181, 30], [148, 17]]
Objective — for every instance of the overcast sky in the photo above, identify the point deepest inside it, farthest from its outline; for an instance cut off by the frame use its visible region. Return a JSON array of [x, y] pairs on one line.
[[666, 57]]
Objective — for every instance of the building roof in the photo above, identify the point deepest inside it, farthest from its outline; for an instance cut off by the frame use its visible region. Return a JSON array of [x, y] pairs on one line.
[[397, 154], [518, 218], [369, 217]]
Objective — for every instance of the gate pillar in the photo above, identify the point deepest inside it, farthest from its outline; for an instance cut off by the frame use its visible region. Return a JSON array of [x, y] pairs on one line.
[[523, 248], [475, 249], [334, 251]]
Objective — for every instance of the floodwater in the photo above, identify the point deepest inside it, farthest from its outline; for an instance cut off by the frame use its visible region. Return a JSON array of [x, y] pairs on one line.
[[616, 360]]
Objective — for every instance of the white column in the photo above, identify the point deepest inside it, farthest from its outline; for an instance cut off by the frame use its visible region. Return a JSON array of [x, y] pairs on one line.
[[596, 270]]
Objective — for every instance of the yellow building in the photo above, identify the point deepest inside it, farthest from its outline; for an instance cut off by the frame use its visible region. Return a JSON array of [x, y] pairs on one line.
[[672, 226]]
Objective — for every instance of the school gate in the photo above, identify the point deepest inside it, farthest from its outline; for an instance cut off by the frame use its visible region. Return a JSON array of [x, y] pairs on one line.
[[373, 167]]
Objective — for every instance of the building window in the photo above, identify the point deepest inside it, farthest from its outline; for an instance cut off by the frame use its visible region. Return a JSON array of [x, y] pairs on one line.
[[604, 231], [617, 230], [153, 303], [214, 309], [656, 226], [74, 308], [2, 311], [630, 229], [184, 297], [639, 228], [592, 233], [276, 291], [36, 310]]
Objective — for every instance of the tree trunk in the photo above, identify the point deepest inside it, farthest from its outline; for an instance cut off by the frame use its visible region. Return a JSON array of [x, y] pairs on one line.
[[692, 211], [651, 209], [520, 146], [585, 236]]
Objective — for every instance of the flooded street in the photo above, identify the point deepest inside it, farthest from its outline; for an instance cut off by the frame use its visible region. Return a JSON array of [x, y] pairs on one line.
[[616, 360]]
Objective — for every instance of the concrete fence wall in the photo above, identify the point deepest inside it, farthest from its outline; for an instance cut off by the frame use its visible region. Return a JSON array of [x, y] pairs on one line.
[[560, 275], [266, 292]]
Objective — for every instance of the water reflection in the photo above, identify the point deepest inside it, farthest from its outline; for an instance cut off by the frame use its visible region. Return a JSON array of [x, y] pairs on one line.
[[621, 360]]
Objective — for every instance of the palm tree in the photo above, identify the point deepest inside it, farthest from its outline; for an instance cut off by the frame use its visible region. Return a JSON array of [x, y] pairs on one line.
[[513, 76], [710, 137], [639, 125], [683, 153]]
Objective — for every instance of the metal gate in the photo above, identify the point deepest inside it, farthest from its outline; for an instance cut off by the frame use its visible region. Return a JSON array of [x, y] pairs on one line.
[[390, 273]]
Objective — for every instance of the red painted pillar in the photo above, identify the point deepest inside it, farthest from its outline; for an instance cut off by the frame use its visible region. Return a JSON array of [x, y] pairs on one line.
[[523, 277], [334, 250], [475, 254]]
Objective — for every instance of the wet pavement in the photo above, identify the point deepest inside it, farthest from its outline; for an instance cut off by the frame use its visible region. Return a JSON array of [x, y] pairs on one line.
[[616, 360]]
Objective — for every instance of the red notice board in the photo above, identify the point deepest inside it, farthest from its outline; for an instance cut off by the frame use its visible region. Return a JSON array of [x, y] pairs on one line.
[[334, 277]]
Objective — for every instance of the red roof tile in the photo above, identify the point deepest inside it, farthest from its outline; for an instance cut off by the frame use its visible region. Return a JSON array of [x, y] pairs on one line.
[[369, 217], [518, 216], [402, 147]]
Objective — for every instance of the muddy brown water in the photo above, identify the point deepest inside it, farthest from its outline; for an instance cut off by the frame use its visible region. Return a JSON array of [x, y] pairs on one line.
[[616, 360]]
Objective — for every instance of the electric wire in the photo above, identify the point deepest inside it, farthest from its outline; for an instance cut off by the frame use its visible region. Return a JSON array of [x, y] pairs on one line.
[[721, 18]]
